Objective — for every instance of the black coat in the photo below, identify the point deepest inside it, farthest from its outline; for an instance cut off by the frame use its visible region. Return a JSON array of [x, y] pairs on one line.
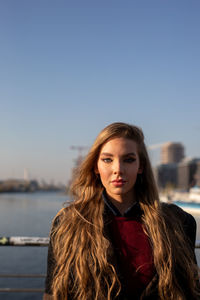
[[188, 224]]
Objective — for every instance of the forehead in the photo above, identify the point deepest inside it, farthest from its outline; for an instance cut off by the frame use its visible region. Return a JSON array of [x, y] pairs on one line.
[[119, 146]]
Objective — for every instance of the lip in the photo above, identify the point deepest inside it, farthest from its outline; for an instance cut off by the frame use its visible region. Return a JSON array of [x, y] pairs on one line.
[[118, 182]]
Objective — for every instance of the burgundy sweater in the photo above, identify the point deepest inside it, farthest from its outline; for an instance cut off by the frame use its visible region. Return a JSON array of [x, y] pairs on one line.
[[134, 254], [132, 248]]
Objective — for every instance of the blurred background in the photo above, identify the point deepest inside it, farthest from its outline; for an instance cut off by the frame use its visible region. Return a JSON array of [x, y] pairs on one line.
[[68, 69]]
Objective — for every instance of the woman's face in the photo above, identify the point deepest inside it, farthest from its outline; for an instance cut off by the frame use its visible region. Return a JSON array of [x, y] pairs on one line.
[[118, 165]]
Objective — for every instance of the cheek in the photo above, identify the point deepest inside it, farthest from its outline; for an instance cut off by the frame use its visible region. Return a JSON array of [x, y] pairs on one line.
[[133, 172], [103, 172]]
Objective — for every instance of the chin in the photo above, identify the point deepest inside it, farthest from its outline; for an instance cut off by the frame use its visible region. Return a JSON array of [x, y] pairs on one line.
[[119, 193]]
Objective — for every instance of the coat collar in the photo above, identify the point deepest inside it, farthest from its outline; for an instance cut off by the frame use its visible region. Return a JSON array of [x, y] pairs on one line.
[[133, 211]]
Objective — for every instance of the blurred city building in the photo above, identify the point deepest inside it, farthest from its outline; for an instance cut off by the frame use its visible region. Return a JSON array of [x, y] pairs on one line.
[[172, 153], [166, 175], [187, 173], [175, 170], [197, 174]]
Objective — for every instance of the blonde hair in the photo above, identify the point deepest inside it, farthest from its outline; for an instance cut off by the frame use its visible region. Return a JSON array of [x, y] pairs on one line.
[[81, 249]]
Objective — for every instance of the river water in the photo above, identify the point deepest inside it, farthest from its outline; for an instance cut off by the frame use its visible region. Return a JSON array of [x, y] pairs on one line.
[[26, 215], [31, 215]]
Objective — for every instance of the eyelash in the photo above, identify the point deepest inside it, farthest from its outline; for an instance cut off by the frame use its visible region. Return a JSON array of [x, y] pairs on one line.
[[130, 160], [127, 160], [106, 160]]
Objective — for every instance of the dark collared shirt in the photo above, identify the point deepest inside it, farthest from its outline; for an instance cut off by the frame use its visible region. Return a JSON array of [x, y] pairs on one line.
[[132, 211]]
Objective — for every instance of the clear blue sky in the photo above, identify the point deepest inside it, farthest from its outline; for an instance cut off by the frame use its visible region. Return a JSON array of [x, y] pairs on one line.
[[68, 68]]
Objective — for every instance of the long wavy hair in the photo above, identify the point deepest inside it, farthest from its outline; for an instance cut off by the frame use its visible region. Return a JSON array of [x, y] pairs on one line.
[[83, 269]]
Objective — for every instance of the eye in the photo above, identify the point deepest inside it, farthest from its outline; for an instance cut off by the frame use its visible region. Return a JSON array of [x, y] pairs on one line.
[[129, 159], [106, 160]]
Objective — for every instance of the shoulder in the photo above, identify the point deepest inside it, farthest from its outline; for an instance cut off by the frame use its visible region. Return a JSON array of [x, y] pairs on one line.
[[177, 212], [60, 217], [173, 215]]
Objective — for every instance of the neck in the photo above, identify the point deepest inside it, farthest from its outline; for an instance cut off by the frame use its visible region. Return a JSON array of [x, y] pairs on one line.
[[122, 202]]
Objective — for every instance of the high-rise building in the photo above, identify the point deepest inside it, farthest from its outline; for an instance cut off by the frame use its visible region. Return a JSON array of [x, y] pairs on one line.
[[172, 153], [197, 175], [188, 171], [166, 175]]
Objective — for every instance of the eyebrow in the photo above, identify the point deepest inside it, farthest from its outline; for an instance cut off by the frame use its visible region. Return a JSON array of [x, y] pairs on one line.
[[109, 154]]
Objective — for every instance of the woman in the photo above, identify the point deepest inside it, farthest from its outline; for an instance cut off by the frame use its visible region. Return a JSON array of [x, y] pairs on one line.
[[116, 240]]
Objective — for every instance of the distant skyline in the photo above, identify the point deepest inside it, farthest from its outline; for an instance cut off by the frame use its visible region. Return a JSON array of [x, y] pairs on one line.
[[69, 68]]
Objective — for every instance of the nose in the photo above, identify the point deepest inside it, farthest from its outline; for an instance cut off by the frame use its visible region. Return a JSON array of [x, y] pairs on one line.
[[118, 167]]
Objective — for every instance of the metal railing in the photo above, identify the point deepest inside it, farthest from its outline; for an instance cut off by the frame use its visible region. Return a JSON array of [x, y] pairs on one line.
[[33, 242], [24, 241], [20, 241]]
